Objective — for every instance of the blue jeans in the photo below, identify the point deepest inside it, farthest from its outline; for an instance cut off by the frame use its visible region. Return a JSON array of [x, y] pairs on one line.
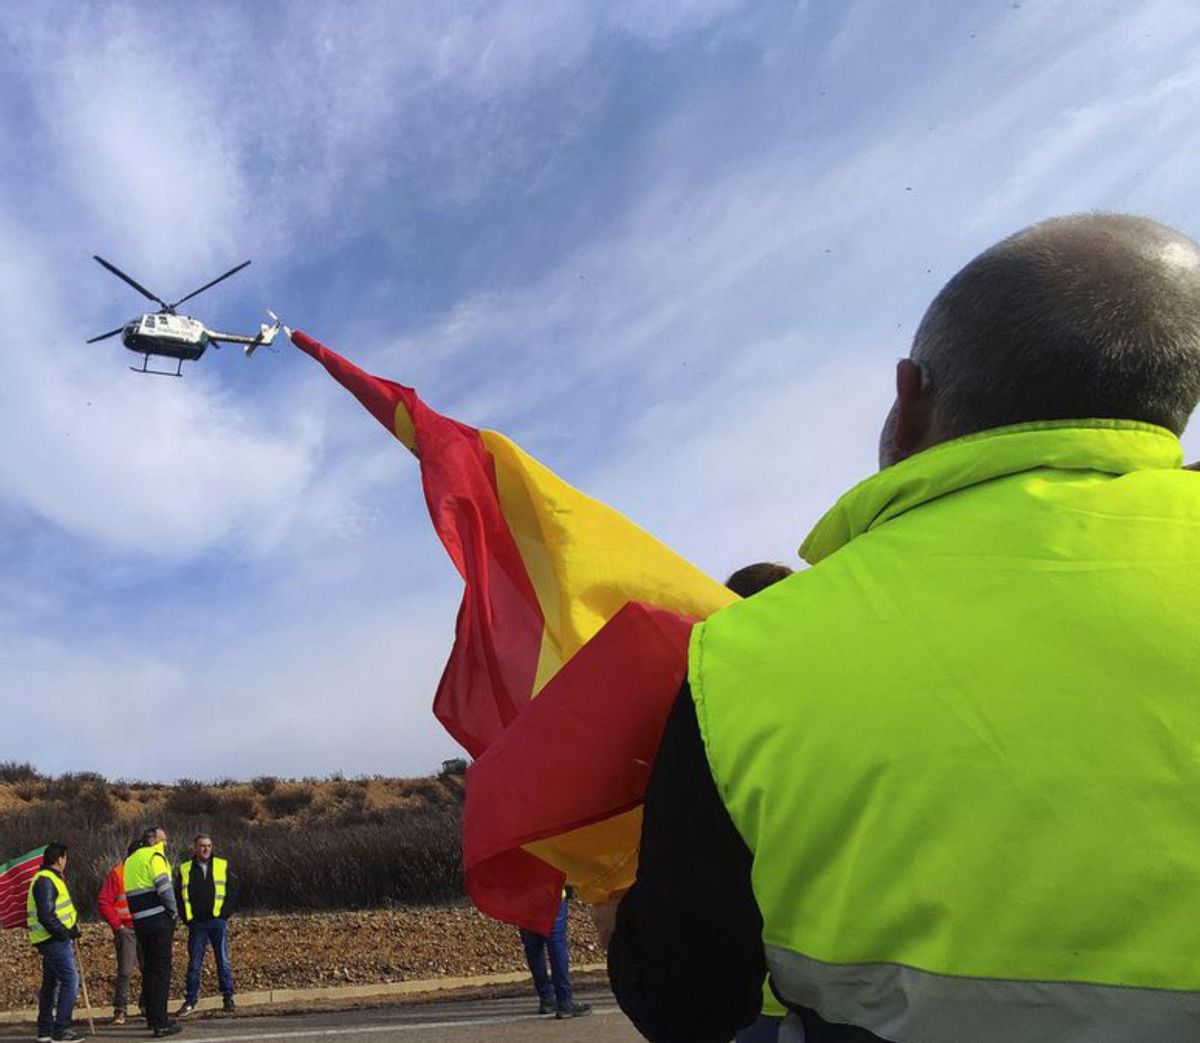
[[202, 933], [557, 987], [60, 983]]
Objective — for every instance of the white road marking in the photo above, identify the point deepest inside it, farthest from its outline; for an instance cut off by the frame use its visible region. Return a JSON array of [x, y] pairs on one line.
[[465, 1022]]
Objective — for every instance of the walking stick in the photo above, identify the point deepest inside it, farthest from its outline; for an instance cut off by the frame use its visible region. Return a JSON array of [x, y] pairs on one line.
[[87, 1004]]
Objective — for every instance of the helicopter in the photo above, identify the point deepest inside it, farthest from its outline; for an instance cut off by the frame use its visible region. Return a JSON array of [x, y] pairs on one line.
[[167, 334]]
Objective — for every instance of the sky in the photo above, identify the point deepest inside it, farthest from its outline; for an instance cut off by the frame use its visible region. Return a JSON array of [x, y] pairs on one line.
[[674, 250]]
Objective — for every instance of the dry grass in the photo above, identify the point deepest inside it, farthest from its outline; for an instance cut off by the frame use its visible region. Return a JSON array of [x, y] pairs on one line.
[[295, 844]]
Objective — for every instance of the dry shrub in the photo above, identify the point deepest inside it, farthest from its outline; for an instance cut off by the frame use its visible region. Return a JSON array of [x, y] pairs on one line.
[[287, 800], [191, 798], [265, 785], [344, 853], [237, 807], [18, 771]]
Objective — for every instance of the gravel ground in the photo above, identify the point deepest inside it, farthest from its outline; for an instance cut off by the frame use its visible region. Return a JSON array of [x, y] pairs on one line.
[[298, 951]]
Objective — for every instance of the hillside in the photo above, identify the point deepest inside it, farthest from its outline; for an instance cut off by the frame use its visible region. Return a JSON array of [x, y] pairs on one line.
[[295, 844], [384, 852]]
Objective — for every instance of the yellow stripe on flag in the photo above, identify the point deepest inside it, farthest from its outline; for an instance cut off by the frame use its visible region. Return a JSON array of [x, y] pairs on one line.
[[586, 561]]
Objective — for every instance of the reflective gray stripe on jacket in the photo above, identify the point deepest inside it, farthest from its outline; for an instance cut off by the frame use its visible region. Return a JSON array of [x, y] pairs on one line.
[[153, 910], [166, 894], [910, 1006]]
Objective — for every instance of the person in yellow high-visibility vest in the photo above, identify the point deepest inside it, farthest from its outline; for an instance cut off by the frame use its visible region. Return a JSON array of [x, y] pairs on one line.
[[51, 921], [153, 911], [943, 784], [206, 892]]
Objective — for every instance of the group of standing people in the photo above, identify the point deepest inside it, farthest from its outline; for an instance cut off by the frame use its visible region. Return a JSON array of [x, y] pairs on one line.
[[143, 900]]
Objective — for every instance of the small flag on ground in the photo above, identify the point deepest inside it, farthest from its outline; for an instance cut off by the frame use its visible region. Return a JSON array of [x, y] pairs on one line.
[[15, 878], [563, 732]]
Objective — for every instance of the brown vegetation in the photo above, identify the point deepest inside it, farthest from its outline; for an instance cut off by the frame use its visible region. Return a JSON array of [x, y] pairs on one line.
[[295, 844]]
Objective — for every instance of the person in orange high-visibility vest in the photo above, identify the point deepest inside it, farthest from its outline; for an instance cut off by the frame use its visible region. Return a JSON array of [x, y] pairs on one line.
[[114, 907]]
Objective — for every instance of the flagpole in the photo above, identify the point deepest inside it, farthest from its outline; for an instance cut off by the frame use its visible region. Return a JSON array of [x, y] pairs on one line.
[[87, 1003]]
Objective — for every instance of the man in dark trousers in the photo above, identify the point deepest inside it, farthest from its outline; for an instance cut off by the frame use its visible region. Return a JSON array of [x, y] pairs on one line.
[[152, 907], [205, 889], [51, 922]]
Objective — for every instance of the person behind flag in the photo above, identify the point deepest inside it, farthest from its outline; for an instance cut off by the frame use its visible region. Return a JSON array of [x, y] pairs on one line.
[[555, 995], [113, 906], [51, 921], [943, 783], [152, 906], [205, 889]]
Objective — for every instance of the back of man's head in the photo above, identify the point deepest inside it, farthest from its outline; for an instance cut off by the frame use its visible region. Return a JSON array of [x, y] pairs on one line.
[[53, 853], [1095, 315], [750, 579]]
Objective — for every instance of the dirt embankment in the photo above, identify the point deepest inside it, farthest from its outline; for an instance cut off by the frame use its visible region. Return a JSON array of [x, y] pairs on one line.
[[316, 949]]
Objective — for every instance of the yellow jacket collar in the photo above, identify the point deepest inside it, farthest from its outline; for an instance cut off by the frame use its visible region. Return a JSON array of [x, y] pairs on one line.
[[1112, 446]]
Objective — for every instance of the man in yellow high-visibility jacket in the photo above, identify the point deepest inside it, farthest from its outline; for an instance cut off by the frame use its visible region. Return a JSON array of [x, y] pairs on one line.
[[206, 891], [945, 784], [152, 908], [52, 924]]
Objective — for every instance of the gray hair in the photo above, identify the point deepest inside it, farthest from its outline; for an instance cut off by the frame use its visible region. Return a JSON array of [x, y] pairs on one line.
[[1095, 315]]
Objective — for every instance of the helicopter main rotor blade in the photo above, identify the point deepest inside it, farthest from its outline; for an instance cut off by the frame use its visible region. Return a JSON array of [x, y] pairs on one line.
[[105, 336], [208, 285], [121, 275]]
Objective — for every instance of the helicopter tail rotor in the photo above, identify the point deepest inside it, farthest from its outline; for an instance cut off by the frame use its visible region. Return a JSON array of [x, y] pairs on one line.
[[266, 334]]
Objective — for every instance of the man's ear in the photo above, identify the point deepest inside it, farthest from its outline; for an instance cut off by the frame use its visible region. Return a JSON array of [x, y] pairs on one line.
[[913, 410]]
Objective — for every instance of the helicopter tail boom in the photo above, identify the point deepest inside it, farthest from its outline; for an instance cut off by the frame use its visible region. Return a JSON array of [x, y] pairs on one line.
[[265, 335]]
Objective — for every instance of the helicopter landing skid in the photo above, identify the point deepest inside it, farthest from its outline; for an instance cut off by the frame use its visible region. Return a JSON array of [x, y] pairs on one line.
[[145, 368]]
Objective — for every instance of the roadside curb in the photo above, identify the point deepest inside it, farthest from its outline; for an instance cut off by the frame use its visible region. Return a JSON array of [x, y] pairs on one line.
[[325, 993]]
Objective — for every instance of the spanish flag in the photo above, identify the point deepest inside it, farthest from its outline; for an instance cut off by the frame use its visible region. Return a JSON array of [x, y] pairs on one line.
[[16, 877], [570, 645]]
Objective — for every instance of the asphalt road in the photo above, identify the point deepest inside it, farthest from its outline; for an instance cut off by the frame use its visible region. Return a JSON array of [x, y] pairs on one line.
[[503, 1020]]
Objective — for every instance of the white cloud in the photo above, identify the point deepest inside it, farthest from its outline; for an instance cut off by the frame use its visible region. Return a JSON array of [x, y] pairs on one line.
[[148, 466], [709, 350]]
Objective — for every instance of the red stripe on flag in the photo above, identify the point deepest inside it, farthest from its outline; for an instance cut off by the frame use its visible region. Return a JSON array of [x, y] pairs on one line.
[[376, 394], [581, 752], [489, 676], [14, 888], [16, 871]]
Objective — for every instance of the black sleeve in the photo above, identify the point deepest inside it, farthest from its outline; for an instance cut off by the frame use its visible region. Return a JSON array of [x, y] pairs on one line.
[[45, 898], [686, 959]]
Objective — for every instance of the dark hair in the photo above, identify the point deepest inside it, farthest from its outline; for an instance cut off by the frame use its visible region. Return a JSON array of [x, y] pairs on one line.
[[750, 579], [1090, 316], [133, 846], [53, 853], [200, 836], [149, 834]]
